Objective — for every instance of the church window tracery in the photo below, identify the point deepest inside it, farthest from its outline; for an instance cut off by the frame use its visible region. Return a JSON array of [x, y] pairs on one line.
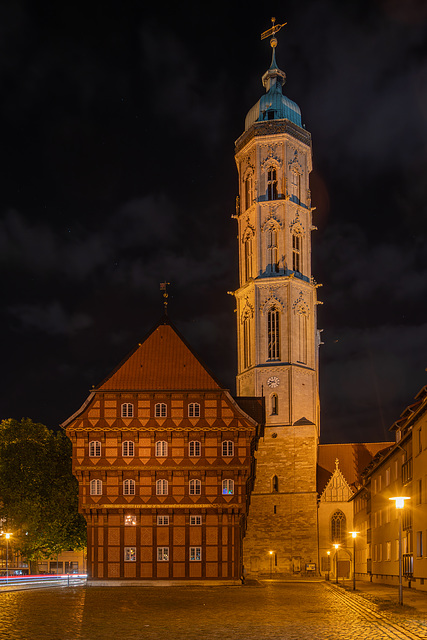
[[273, 332], [248, 190], [296, 186], [247, 249], [338, 527], [296, 252], [272, 250], [274, 404], [246, 341], [302, 336], [272, 183]]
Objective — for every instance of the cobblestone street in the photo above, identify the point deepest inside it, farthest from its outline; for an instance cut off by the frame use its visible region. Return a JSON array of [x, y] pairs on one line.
[[264, 612]]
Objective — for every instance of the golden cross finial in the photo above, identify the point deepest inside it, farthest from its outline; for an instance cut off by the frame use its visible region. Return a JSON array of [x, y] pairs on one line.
[[164, 288], [270, 32]]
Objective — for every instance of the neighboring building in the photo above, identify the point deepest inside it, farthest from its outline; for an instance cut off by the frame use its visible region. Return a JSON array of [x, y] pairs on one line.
[[64, 562], [277, 329], [164, 459], [399, 470], [338, 477]]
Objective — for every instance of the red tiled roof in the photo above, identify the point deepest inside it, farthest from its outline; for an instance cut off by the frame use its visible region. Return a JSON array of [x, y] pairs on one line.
[[162, 362], [353, 458]]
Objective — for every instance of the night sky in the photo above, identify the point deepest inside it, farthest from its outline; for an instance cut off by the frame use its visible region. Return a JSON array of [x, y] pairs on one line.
[[118, 122]]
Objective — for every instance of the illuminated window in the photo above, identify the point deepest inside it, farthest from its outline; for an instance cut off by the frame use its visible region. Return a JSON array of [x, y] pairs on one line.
[[272, 259], [163, 521], [194, 449], [273, 319], [227, 487], [296, 253], [194, 410], [162, 554], [129, 487], [274, 404], [127, 410], [195, 520], [338, 527], [161, 449], [160, 410], [95, 449], [162, 487], [128, 449], [227, 449], [271, 184], [195, 554], [130, 554], [96, 487], [130, 520], [195, 487], [247, 251]]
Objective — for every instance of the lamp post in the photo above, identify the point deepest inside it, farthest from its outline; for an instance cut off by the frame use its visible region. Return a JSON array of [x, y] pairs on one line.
[[329, 563], [399, 502], [7, 536], [271, 564], [354, 536], [337, 546]]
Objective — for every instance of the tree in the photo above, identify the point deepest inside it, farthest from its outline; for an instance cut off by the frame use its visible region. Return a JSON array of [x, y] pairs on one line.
[[38, 493]]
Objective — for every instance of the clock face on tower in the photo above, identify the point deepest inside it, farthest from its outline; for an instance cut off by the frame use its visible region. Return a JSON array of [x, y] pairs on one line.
[[273, 381]]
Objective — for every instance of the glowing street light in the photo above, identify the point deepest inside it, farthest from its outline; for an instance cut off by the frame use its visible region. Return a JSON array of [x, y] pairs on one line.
[[271, 563], [337, 546], [7, 536], [399, 502], [354, 535]]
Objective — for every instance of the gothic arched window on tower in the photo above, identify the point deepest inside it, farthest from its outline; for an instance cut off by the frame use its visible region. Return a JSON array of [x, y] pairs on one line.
[[272, 251], [296, 187], [338, 527], [272, 184], [296, 252], [273, 332], [246, 341], [247, 248], [302, 336], [248, 191], [274, 404]]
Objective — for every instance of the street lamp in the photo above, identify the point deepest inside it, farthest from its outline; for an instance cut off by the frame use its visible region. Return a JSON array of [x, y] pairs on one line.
[[354, 536], [399, 502], [271, 564], [329, 563], [7, 536], [337, 546]]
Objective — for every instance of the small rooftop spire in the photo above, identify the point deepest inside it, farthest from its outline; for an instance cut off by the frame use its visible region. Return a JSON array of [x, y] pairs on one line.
[[273, 72], [164, 288]]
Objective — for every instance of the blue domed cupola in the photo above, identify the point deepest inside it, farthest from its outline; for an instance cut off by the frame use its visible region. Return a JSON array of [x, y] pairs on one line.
[[274, 105]]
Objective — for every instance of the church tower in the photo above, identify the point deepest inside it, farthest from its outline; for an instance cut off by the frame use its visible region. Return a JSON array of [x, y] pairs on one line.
[[277, 329]]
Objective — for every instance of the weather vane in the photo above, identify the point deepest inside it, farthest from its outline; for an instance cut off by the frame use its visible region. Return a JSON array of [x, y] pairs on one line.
[[164, 288], [270, 32]]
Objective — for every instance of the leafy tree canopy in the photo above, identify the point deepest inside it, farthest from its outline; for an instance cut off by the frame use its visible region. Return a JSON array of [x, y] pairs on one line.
[[38, 493]]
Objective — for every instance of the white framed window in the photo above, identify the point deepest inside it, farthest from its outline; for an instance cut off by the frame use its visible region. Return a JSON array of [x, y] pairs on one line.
[[227, 449], [195, 554], [161, 449], [162, 554], [273, 333], [96, 487], [128, 449], [194, 449], [129, 487], [95, 449], [227, 487], [194, 410], [127, 410], [162, 521], [162, 487], [130, 554], [195, 487], [130, 520], [195, 520], [160, 410]]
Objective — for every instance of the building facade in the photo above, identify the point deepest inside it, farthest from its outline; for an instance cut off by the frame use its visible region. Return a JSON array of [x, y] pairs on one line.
[[277, 328], [164, 460]]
